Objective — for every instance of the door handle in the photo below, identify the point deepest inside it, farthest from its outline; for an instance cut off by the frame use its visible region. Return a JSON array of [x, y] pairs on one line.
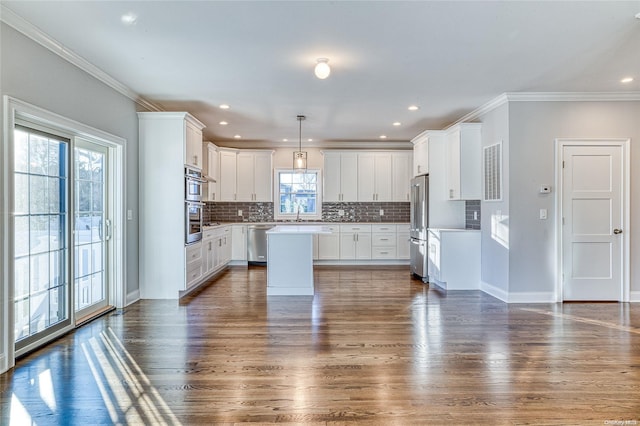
[[617, 231]]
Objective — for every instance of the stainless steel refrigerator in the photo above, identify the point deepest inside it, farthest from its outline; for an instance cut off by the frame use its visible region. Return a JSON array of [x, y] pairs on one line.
[[419, 225]]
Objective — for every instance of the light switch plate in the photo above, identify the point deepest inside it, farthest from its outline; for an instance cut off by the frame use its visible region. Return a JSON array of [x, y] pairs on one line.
[[543, 214], [381, 212], [239, 212]]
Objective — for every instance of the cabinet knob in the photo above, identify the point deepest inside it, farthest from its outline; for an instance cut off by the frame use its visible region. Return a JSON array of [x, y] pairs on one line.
[[617, 231]]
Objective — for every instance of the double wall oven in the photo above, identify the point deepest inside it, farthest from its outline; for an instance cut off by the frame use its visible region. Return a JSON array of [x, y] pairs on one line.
[[194, 207]]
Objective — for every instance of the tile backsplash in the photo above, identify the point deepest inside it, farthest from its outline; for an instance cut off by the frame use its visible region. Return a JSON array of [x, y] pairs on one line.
[[263, 212], [472, 207]]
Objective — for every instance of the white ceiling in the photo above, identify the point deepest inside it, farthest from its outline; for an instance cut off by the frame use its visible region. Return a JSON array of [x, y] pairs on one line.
[[447, 57]]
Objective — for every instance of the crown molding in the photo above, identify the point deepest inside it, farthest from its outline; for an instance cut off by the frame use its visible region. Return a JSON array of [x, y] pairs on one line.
[[546, 97], [26, 28], [368, 145]]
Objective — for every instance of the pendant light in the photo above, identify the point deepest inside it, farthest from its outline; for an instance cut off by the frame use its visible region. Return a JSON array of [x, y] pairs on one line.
[[300, 156]]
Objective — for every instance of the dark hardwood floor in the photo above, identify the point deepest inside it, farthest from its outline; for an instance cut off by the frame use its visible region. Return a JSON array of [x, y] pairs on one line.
[[373, 346]]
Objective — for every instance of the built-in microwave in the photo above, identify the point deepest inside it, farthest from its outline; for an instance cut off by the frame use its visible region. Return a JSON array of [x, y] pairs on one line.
[[193, 184], [193, 221]]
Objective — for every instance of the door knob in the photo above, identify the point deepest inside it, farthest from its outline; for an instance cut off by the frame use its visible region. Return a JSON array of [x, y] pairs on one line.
[[617, 231]]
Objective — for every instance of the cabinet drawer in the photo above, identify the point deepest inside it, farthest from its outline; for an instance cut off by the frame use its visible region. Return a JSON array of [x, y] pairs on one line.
[[387, 227], [193, 252], [194, 272], [208, 234], [383, 252], [382, 240], [355, 228], [332, 228]]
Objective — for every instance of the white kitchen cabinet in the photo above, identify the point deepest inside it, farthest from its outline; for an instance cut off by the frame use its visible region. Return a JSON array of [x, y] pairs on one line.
[[402, 242], [340, 176], [463, 159], [374, 176], [329, 244], [193, 145], [454, 258], [254, 176], [212, 172], [239, 242], [208, 251], [355, 242], [163, 271], [401, 163], [194, 264], [383, 241], [227, 179], [420, 155]]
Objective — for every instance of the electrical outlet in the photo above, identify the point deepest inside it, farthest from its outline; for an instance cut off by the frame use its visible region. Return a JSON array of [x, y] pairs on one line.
[[239, 212], [340, 212], [381, 212]]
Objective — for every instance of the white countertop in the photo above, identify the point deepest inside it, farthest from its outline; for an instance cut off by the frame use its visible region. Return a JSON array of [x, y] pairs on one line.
[[453, 230], [299, 229]]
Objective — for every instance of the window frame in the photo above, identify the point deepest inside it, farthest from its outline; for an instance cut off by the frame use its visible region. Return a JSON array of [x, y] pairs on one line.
[[293, 216]]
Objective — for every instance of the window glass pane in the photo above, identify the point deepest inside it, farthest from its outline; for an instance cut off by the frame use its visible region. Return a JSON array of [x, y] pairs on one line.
[[56, 266], [21, 235], [57, 305], [39, 234], [21, 193], [83, 164], [54, 158], [21, 289], [21, 308], [96, 196], [39, 273], [55, 196], [38, 155], [83, 196], [39, 307], [21, 151], [96, 227], [38, 195]]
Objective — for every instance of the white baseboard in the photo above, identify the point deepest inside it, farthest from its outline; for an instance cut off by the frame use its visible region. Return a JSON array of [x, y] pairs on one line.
[[494, 291], [634, 296], [132, 297], [532, 297]]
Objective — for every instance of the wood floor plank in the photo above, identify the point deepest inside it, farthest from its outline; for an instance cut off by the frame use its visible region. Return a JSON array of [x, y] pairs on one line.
[[373, 346]]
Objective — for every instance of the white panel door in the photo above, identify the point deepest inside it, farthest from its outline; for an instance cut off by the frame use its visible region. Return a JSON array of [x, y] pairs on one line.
[[593, 218]]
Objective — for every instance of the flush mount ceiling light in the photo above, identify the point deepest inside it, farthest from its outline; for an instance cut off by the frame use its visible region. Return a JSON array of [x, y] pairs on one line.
[[223, 123], [413, 108], [237, 136], [397, 123], [383, 136], [300, 156], [224, 106], [322, 69], [129, 18]]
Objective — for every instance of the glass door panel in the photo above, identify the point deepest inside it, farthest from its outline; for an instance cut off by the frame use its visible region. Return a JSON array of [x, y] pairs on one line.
[[41, 291], [91, 228]]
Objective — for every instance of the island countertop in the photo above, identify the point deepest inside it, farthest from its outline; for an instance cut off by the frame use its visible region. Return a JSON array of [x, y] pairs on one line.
[[299, 229]]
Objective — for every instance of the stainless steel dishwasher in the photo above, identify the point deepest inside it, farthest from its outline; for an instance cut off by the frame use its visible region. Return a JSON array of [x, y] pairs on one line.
[[257, 244]]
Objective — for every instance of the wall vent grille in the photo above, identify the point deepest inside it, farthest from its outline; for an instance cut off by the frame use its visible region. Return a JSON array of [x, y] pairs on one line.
[[493, 172]]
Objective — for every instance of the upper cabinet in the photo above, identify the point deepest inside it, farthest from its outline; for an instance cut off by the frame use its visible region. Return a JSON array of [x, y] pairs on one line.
[[340, 176], [401, 163], [253, 176], [193, 145], [463, 160], [212, 172], [420, 155], [245, 175], [374, 176], [227, 176]]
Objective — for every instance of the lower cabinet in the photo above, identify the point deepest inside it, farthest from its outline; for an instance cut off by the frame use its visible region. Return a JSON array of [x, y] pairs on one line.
[[239, 242], [216, 248], [402, 242], [194, 263], [454, 258], [329, 244], [355, 242], [383, 242]]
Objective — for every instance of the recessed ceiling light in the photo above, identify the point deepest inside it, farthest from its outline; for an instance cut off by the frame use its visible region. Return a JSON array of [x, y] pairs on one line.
[[237, 136], [397, 123], [285, 140], [413, 108], [129, 18], [322, 69], [383, 136], [626, 80], [309, 140], [223, 123], [224, 106]]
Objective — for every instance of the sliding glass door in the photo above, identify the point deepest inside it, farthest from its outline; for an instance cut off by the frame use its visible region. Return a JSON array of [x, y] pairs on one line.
[[41, 221], [92, 228]]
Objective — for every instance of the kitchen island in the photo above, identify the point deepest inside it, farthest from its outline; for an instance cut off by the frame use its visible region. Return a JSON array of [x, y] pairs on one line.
[[290, 264]]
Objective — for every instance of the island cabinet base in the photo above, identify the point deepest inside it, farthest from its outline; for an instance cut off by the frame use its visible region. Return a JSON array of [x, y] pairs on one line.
[[290, 264]]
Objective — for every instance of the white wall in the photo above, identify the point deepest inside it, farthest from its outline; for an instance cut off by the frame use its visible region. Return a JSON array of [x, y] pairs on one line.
[[533, 128], [495, 214], [33, 74]]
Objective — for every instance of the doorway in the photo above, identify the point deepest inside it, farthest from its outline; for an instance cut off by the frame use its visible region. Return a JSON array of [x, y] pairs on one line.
[[593, 216]]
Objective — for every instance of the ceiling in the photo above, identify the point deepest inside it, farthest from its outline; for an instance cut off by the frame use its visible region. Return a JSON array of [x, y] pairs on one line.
[[446, 57]]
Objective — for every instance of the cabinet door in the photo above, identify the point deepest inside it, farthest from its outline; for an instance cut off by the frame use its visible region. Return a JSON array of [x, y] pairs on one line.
[[349, 176], [212, 172], [382, 176], [263, 189], [193, 148], [366, 181], [331, 186], [453, 165], [401, 176], [363, 245], [421, 158], [329, 246], [402, 245], [238, 242], [227, 182], [245, 175], [347, 245]]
